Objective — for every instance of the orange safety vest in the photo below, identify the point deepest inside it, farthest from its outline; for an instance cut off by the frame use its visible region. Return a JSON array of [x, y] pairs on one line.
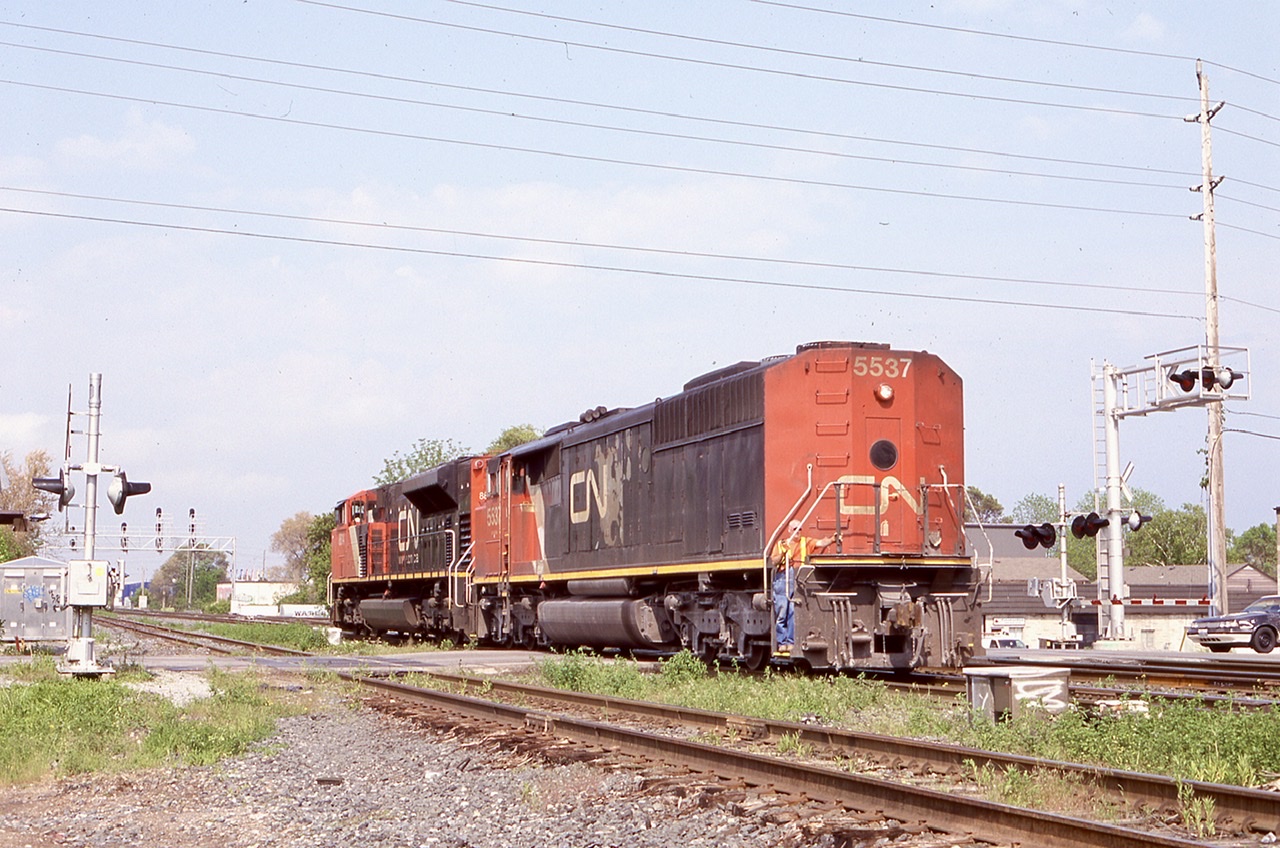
[[794, 552]]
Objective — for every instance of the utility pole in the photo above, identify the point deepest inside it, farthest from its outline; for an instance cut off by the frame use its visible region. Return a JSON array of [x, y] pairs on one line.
[[1278, 550], [1217, 483]]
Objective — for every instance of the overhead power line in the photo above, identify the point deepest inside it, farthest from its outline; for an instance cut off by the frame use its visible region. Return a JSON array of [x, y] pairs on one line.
[[659, 113], [605, 160], [507, 113], [580, 244], [1013, 37], [806, 54], [736, 66], [582, 266]]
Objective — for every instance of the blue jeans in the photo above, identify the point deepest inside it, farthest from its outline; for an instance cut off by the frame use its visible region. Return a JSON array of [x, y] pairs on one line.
[[784, 624]]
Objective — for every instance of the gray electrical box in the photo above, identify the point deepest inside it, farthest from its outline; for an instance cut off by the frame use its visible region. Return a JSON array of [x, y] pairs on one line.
[[33, 600], [1004, 691], [87, 582]]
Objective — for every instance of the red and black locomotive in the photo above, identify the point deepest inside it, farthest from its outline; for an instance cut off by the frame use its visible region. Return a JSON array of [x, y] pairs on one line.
[[650, 528]]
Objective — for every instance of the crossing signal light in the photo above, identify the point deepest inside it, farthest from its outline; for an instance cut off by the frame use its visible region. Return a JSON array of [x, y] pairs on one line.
[[1136, 520], [121, 490], [1034, 535], [1224, 377], [1186, 380], [60, 486], [1087, 525], [1208, 378]]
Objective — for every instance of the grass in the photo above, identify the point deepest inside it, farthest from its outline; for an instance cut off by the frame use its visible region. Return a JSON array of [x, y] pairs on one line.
[[1188, 740], [51, 725], [306, 637], [684, 680]]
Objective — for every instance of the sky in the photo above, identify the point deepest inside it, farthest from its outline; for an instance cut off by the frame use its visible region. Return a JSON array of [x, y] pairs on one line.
[[296, 236]]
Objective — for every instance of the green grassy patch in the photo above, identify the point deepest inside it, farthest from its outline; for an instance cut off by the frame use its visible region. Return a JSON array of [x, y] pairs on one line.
[[686, 681], [1182, 739], [52, 725]]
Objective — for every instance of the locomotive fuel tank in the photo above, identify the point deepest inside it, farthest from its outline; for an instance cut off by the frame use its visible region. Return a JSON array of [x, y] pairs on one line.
[[627, 623]]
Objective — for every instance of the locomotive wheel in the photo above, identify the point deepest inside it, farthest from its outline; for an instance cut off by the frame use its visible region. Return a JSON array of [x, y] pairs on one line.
[[757, 657]]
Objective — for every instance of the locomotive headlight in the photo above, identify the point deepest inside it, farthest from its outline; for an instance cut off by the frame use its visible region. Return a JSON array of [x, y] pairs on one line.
[[884, 392]]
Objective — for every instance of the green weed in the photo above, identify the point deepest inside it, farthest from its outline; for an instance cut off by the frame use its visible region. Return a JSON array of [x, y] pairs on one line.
[[51, 725]]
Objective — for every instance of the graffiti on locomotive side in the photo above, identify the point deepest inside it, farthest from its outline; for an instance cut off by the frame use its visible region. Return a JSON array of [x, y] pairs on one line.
[[891, 489], [598, 488]]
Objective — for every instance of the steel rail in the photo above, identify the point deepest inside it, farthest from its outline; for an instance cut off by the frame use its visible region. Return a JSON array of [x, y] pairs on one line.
[[222, 644], [1216, 671], [935, 809], [1249, 809]]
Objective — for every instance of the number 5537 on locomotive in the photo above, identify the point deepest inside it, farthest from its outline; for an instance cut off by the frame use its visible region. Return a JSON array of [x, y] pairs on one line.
[[661, 527]]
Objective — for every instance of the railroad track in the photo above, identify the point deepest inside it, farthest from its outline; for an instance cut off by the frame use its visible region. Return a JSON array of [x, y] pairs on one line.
[[1242, 808], [1216, 675], [205, 641], [920, 808], [1239, 809]]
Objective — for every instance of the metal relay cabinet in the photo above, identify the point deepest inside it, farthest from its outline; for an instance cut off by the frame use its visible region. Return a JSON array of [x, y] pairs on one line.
[[33, 600]]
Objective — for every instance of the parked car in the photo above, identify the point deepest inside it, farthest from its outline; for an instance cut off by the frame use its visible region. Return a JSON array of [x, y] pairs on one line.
[[1256, 626], [1004, 642]]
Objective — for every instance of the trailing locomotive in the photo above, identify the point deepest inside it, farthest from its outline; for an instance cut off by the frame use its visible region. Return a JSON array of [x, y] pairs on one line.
[[650, 528]]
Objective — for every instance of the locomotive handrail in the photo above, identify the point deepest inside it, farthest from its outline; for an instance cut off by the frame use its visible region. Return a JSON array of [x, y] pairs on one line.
[[778, 531], [839, 486], [765, 580], [991, 551], [454, 575]]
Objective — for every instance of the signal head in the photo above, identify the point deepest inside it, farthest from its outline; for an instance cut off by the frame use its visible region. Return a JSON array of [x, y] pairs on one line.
[[1185, 380], [121, 490], [1033, 535], [1135, 520], [60, 486], [1087, 525], [1224, 377]]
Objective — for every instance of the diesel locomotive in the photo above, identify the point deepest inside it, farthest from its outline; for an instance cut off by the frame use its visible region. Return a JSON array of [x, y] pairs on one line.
[[649, 529]]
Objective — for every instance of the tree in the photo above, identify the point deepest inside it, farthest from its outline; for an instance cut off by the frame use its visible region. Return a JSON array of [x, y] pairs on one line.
[[291, 540], [169, 583], [1256, 547], [314, 585], [10, 547], [1172, 537], [987, 510], [1035, 509], [425, 453], [18, 495], [513, 436], [1082, 554]]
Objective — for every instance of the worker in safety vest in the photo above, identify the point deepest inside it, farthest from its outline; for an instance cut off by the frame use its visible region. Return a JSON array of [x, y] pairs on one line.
[[791, 552]]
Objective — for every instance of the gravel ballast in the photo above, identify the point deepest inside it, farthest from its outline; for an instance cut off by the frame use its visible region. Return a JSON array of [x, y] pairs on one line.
[[350, 776]]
